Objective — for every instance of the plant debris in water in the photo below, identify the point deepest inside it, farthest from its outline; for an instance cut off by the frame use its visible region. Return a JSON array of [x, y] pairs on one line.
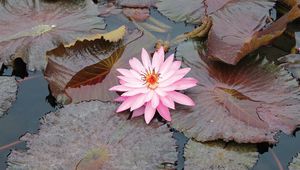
[[8, 93]]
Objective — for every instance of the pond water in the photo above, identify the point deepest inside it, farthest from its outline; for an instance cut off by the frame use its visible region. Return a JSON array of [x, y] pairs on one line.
[[33, 95]]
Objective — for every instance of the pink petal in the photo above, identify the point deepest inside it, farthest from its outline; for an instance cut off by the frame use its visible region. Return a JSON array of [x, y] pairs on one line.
[[181, 98], [136, 65], [135, 91], [158, 59], [130, 79], [127, 103], [146, 59], [149, 112], [135, 74], [165, 100], [171, 71], [160, 92], [120, 88], [122, 82], [164, 112], [140, 101], [134, 85], [185, 83], [138, 112], [124, 72], [178, 75], [155, 100], [149, 95], [166, 65]]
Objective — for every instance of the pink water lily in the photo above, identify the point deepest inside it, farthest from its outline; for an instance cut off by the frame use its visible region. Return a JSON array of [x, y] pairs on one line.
[[151, 86]]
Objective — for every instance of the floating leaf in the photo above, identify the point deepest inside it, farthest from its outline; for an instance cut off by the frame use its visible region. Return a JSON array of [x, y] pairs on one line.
[[248, 103], [190, 11], [244, 23], [136, 3], [69, 138], [28, 32], [68, 69], [295, 165], [219, 155], [8, 91]]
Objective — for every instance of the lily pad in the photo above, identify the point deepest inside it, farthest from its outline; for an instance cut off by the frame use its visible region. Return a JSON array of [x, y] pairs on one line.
[[136, 3], [8, 93], [248, 103], [219, 155], [248, 26], [295, 165], [81, 133], [67, 72], [190, 11], [28, 32]]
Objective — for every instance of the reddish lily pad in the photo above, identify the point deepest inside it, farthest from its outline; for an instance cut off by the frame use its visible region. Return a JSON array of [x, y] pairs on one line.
[[219, 155], [28, 32], [246, 28], [67, 72], [91, 132], [8, 93], [295, 165], [137, 14], [248, 103], [190, 11]]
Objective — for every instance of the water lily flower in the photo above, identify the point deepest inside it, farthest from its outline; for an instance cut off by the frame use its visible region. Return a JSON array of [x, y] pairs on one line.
[[150, 86]]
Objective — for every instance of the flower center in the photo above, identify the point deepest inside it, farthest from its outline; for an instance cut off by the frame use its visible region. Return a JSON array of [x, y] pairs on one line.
[[151, 79]]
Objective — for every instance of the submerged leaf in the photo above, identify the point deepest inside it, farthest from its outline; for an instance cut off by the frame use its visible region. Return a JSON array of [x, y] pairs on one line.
[[295, 165], [8, 92], [28, 33], [244, 23], [248, 103], [190, 11], [90, 134], [219, 155]]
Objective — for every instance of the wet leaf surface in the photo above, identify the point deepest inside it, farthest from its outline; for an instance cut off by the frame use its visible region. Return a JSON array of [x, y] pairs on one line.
[[81, 133], [245, 24], [219, 155], [136, 3], [137, 14], [28, 32], [247, 103], [190, 11], [8, 93], [76, 70], [295, 165]]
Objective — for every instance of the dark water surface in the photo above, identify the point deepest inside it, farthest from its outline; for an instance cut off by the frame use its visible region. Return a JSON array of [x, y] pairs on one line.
[[31, 105]]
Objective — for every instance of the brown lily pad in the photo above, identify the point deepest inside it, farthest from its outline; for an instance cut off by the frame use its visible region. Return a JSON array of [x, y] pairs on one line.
[[87, 70], [246, 28], [91, 134], [28, 31], [8, 93], [248, 103], [219, 155]]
